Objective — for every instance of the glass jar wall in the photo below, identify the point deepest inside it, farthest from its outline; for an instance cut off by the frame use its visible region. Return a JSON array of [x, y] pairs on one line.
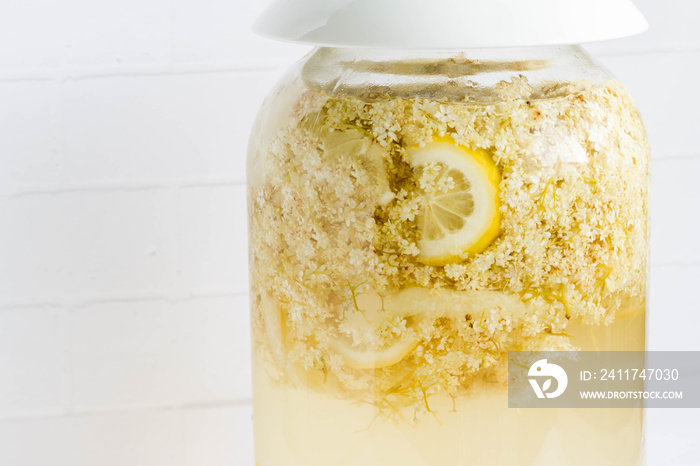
[[414, 216]]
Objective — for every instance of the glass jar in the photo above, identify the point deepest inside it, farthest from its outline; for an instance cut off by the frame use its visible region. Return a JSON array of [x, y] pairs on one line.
[[416, 215]]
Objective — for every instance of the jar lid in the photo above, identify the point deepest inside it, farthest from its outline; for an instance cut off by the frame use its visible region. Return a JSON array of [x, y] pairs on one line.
[[449, 24]]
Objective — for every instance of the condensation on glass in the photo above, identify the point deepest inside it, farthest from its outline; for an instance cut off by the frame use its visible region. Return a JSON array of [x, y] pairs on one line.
[[413, 217]]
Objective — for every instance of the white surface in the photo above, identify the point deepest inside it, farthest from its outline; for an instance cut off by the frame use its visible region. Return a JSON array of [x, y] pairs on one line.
[[123, 319], [449, 24]]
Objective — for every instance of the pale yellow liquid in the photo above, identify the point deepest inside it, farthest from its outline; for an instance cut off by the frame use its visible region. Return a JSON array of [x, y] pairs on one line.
[[299, 427]]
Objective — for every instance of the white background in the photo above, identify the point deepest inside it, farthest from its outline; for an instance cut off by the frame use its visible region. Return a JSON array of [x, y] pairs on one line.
[[124, 335]]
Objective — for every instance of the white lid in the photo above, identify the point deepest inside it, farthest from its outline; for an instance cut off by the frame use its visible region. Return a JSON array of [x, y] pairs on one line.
[[449, 24]]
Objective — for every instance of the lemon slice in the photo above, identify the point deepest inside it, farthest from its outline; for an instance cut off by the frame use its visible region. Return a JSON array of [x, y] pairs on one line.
[[358, 145], [275, 329], [368, 357], [463, 216], [422, 302], [413, 304], [366, 322]]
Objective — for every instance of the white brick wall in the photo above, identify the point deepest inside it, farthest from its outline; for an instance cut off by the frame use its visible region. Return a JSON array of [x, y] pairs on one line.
[[124, 333]]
